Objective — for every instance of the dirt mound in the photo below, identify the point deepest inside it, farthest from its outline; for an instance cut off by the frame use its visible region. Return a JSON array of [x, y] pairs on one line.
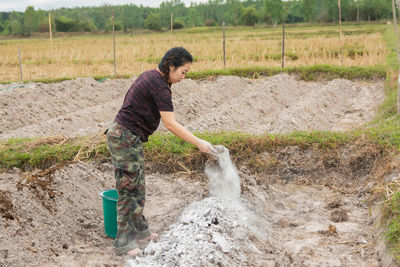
[[291, 228], [73, 107], [279, 104]]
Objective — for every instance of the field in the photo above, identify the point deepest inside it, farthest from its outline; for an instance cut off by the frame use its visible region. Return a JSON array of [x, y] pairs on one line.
[[92, 55], [314, 146]]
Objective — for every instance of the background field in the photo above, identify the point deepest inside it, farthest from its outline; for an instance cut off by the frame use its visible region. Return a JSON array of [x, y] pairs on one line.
[[92, 55]]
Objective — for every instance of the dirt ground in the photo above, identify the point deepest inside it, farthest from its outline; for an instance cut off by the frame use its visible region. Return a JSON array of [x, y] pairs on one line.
[[292, 224], [279, 104], [295, 216]]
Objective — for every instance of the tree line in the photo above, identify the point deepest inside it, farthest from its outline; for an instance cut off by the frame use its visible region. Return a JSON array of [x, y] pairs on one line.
[[212, 13]]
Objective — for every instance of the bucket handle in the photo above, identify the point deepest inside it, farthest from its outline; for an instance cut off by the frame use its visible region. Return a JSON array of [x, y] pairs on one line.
[[103, 196]]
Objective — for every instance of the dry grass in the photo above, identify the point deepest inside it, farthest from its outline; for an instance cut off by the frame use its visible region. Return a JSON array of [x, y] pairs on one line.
[[92, 55]]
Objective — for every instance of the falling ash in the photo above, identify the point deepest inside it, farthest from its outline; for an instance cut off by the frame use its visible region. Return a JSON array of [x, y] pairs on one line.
[[223, 177]]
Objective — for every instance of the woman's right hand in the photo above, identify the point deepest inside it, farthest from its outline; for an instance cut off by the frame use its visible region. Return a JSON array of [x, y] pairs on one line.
[[206, 147]]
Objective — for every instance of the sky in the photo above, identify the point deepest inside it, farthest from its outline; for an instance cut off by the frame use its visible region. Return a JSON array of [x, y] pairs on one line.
[[20, 5]]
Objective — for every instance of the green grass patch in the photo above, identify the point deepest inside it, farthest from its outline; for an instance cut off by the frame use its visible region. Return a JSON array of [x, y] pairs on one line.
[[164, 149], [295, 30], [278, 56], [24, 154], [390, 39], [41, 153], [391, 217], [323, 33], [54, 80], [61, 79], [308, 73], [386, 125]]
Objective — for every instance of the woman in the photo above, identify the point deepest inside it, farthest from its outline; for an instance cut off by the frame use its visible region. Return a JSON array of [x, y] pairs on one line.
[[148, 100]]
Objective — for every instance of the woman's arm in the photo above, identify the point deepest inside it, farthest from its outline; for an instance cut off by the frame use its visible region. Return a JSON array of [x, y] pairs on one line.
[[177, 129]]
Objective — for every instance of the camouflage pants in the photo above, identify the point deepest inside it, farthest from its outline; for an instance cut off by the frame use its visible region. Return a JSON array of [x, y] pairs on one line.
[[127, 156]]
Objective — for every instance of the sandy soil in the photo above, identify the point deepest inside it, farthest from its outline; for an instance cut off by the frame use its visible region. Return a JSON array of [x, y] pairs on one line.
[[278, 104]]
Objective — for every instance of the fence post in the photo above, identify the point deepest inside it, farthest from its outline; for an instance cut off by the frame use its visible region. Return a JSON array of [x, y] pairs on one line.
[[20, 64], [398, 36], [51, 35], [398, 95], [283, 45], [395, 29], [172, 23], [113, 28], [223, 41], [340, 34]]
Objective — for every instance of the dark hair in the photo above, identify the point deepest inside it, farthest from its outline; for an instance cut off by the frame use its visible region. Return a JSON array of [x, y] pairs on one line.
[[176, 57]]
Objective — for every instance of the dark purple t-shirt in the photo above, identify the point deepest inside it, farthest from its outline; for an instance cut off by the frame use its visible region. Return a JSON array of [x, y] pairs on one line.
[[148, 95]]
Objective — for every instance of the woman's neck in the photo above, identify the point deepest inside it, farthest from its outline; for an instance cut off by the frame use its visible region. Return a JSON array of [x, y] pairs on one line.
[[159, 71]]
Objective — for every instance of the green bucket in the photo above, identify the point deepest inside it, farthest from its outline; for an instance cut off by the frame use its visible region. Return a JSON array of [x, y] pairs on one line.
[[110, 198]]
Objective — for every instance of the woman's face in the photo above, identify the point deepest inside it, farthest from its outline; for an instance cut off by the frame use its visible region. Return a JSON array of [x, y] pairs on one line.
[[178, 74]]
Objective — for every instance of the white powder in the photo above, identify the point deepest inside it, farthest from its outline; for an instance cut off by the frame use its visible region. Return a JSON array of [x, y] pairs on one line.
[[206, 234], [223, 177], [212, 232]]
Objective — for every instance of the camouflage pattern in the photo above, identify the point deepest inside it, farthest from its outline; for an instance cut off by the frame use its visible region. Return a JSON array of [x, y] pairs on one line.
[[126, 151]]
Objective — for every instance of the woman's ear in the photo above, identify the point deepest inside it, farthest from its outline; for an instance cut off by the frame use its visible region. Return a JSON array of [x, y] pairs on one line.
[[171, 68]]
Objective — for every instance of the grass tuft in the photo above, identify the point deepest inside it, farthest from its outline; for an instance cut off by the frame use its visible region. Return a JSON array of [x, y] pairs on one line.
[[391, 215]]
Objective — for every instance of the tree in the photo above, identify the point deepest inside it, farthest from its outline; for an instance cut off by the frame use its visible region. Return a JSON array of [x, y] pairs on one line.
[[6, 28], [249, 16], [178, 23], [308, 6], [101, 15], [28, 25], [153, 22], [64, 24], [273, 11], [368, 9], [233, 12], [295, 12], [16, 27], [382, 9], [118, 25], [210, 23], [346, 9], [16, 23], [128, 17], [211, 13], [88, 25], [326, 10], [193, 18], [176, 7], [42, 19]]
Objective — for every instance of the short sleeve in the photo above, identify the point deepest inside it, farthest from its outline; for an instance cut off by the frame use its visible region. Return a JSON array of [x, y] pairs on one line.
[[163, 99]]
